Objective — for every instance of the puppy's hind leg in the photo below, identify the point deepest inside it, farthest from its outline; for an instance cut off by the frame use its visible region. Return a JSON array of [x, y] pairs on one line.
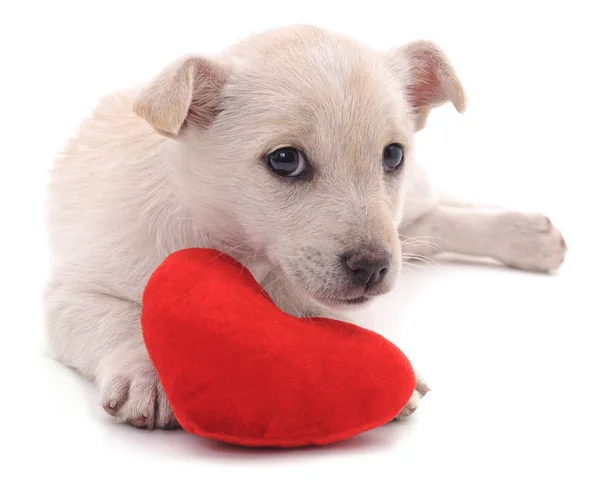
[[524, 240]]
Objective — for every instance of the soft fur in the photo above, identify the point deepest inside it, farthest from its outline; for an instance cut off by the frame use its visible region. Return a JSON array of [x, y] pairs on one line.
[[180, 163]]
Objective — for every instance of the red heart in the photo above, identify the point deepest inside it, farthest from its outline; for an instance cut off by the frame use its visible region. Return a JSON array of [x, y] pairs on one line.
[[238, 369]]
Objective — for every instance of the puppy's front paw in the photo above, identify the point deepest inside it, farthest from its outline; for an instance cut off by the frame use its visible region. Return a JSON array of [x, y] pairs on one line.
[[132, 392], [413, 403], [530, 241]]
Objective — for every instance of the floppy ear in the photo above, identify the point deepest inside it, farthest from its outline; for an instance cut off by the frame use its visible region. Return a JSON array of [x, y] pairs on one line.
[[428, 79], [187, 92]]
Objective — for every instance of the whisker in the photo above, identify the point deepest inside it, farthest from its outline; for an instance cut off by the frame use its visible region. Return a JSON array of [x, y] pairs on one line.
[[426, 260]]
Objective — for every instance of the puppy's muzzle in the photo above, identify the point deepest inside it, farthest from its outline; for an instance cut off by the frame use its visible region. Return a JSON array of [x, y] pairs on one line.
[[367, 268]]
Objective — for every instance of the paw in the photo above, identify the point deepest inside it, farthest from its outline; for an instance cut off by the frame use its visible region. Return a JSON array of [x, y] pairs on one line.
[[132, 392], [529, 241], [413, 403]]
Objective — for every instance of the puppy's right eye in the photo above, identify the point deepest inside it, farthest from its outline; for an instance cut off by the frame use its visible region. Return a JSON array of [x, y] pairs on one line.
[[287, 162]]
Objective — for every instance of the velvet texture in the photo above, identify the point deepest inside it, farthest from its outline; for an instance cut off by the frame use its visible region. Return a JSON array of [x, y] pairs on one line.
[[237, 369]]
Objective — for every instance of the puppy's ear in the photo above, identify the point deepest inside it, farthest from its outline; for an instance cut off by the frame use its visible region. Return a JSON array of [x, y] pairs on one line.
[[428, 79], [186, 93]]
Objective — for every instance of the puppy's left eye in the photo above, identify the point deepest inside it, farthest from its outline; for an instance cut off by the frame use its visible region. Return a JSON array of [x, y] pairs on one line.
[[288, 162], [393, 157]]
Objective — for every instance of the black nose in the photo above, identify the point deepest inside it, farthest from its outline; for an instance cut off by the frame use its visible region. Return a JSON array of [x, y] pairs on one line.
[[368, 268]]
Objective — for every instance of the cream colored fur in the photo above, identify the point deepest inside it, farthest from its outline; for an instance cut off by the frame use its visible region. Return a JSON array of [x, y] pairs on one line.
[[180, 162]]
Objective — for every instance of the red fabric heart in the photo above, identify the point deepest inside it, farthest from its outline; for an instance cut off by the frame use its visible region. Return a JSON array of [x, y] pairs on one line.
[[238, 369]]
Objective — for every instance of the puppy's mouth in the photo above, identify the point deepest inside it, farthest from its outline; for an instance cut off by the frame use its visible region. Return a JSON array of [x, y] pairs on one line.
[[355, 300], [348, 296], [341, 302]]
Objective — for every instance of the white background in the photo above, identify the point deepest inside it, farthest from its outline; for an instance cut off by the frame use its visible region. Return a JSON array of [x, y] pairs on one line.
[[512, 358]]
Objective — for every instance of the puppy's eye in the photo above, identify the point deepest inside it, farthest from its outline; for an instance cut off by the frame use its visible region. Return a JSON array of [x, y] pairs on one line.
[[393, 156], [287, 162]]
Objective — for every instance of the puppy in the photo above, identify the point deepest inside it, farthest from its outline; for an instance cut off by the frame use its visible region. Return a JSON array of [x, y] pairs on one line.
[[293, 153]]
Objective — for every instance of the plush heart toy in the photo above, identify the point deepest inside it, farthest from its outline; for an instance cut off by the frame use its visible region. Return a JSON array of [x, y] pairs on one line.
[[238, 369]]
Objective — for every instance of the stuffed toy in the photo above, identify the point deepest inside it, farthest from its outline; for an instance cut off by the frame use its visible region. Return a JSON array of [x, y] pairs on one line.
[[237, 369]]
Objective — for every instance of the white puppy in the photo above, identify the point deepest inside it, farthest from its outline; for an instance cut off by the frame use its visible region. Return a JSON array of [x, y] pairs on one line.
[[292, 152]]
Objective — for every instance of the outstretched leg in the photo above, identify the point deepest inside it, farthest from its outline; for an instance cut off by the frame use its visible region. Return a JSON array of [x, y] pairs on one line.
[[524, 240]]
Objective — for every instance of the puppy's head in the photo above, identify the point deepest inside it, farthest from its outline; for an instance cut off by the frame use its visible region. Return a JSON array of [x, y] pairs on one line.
[[297, 146]]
